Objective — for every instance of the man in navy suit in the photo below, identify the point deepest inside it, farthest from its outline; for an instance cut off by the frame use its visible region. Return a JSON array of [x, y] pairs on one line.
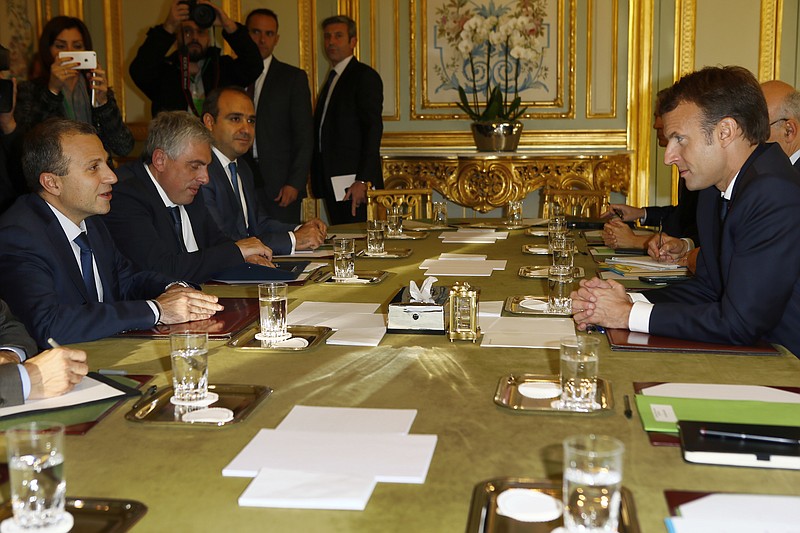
[[230, 194], [155, 219], [284, 124], [783, 102], [747, 285], [347, 126], [62, 275]]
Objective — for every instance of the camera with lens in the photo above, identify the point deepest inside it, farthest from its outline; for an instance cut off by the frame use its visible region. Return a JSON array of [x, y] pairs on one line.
[[6, 86], [201, 14]]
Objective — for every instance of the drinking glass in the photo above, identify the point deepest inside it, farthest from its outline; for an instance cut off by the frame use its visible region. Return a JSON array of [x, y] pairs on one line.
[[36, 473], [556, 229], [514, 213], [559, 288], [189, 356], [563, 254], [394, 221], [579, 365], [375, 240], [343, 261], [272, 302], [592, 483], [440, 213]]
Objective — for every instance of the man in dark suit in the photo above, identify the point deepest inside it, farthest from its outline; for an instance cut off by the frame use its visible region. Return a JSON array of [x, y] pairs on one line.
[[51, 373], [347, 127], [284, 124], [747, 285], [783, 102], [196, 64], [154, 218], [230, 193], [62, 275]]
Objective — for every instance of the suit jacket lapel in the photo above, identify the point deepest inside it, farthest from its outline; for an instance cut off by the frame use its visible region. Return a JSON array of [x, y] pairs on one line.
[[248, 185]]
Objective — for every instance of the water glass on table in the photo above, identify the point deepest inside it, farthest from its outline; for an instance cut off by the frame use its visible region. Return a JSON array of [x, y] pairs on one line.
[[579, 366], [559, 287], [440, 213], [592, 483], [556, 230], [343, 259], [36, 473], [514, 213], [563, 254], [375, 240], [189, 356], [394, 221], [272, 303]]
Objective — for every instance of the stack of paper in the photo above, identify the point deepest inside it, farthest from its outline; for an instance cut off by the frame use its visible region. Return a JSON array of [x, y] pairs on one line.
[[737, 513], [331, 458], [525, 332], [462, 265], [87, 391], [356, 324], [473, 236], [643, 262]]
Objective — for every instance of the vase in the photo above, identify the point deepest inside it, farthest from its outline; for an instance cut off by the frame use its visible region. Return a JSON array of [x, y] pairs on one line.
[[497, 136]]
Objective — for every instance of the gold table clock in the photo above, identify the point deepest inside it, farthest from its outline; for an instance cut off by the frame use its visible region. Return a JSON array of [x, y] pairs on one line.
[[463, 308]]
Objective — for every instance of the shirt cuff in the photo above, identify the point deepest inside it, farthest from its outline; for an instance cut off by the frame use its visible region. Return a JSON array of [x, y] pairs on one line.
[[639, 318], [689, 243], [19, 351], [156, 311], [26, 382], [294, 241]]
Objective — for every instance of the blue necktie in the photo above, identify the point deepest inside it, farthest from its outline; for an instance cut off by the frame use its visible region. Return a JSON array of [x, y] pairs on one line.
[[723, 208], [175, 213], [235, 181], [87, 267]]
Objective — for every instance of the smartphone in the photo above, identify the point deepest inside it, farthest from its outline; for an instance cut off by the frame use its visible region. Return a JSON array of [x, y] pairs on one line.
[[663, 280], [87, 60]]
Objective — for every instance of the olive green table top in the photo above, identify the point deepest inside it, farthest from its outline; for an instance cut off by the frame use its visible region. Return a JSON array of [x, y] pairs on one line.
[[176, 471]]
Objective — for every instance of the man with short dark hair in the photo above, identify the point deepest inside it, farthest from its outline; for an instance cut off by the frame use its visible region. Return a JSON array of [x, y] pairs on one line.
[[230, 193], [155, 219], [747, 285], [180, 81], [347, 127], [284, 134], [62, 275]]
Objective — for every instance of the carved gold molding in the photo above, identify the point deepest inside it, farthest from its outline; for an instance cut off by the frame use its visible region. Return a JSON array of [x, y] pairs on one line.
[[543, 139], [640, 60], [351, 9], [115, 69], [685, 29], [569, 87], [486, 182], [70, 8], [307, 30], [589, 63], [769, 46]]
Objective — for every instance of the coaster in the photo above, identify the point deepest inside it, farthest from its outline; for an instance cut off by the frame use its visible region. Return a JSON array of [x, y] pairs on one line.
[[213, 415], [373, 254], [558, 404], [534, 305], [210, 398], [262, 337], [62, 526], [539, 390], [294, 342], [528, 505]]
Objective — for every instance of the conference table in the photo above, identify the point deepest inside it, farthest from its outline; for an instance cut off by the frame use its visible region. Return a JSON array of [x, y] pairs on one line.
[[176, 471]]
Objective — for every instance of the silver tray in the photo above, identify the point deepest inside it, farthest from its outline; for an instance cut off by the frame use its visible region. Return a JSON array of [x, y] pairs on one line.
[[370, 277], [508, 395], [536, 249], [391, 253], [246, 340], [157, 409], [483, 517], [537, 232], [96, 514], [502, 225], [409, 236], [513, 306], [537, 271]]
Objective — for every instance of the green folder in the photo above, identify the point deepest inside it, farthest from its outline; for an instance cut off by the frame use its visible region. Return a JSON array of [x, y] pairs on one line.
[[702, 410]]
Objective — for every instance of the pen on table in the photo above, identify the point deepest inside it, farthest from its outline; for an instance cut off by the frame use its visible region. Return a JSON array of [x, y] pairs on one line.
[[147, 394], [618, 212], [111, 372], [627, 401], [52, 342], [746, 436]]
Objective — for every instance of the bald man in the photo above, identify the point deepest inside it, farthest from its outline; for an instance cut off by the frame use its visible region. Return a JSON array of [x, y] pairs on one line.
[[783, 102]]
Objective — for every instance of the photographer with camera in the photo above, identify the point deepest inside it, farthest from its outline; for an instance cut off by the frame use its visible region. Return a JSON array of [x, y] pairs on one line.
[[180, 81], [66, 82]]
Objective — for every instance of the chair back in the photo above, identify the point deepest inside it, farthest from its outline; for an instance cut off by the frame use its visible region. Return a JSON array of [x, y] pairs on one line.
[[417, 201], [575, 202]]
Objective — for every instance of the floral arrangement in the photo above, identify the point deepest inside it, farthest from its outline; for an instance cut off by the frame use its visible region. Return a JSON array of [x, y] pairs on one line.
[[497, 50]]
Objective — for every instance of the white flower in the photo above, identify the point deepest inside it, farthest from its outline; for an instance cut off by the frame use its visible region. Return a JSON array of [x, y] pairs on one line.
[[465, 47]]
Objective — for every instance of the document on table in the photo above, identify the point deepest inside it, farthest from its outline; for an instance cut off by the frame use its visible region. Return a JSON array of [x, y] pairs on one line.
[[472, 235], [290, 489], [454, 267], [348, 420], [643, 261], [386, 457], [720, 391], [340, 185], [356, 324], [88, 390], [736, 513], [525, 332]]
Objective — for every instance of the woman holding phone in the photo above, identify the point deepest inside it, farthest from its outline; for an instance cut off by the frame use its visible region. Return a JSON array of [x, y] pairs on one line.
[[59, 87]]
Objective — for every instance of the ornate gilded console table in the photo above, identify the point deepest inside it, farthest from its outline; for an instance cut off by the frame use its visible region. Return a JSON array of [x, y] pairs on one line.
[[485, 181]]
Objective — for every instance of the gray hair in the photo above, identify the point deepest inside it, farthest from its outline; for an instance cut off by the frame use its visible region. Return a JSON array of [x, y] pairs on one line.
[[172, 131], [790, 106], [341, 19]]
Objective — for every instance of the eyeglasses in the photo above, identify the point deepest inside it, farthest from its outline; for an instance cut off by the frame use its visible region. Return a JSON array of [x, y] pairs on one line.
[[775, 122]]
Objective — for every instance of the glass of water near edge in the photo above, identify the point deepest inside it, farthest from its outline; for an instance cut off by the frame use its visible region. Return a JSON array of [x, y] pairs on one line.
[[189, 357], [592, 483], [36, 473], [272, 302], [579, 365]]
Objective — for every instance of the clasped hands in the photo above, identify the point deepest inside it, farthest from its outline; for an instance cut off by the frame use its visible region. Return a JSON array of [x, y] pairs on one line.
[[602, 303]]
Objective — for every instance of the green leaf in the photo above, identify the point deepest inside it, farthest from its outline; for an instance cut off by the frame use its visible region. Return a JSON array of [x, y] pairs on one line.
[[465, 106]]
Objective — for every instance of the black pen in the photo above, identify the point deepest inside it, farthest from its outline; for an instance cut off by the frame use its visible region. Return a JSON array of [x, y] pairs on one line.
[[627, 401], [619, 213], [746, 436]]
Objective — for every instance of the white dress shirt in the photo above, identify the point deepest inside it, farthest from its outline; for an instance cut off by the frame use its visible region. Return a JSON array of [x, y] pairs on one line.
[[189, 242]]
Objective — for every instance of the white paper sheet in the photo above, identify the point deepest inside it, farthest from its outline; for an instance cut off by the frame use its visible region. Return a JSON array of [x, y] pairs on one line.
[[456, 238], [715, 391], [340, 185], [678, 524], [495, 264], [352, 328], [306, 311], [386, 457], [491, 309], [444, 256], [643, 261], [88, 390], [524, 332], [754, 507], [308, 254], [291, 489], [348, 420]]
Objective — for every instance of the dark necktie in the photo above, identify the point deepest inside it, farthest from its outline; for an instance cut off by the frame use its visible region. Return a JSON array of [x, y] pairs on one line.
[[723, 208], [87, 267], [323, 96], [322, 104], [175, 213], [235, 183]]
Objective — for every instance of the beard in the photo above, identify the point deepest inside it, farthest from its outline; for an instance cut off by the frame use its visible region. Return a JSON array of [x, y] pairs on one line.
[[195, 52]]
